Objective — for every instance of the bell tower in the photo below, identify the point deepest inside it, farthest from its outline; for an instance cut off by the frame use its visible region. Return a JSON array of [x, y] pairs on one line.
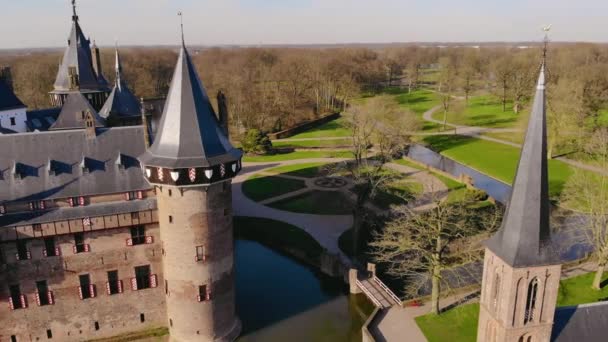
[[521, 268], [191, 163]]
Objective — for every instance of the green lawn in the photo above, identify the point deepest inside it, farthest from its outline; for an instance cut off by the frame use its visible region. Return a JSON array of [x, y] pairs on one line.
[[397, 192], [515, 137], [260, 187], [420, 101], [307, 170], [494, 159], [316, 202], [460, 324], [276, 234], [603, 121], [485, 111], [335, 128], [456, 189], [456, 325], [297, 155], [346, 142]]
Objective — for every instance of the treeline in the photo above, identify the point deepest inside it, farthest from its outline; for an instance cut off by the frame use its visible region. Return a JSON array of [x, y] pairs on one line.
[[272, 89]]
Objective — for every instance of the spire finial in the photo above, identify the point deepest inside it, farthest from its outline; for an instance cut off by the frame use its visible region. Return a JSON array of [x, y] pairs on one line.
[[181, 19], [75, 16], [117, 66]]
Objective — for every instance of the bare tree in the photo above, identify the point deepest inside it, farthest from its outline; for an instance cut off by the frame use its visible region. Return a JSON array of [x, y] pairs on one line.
[[447, 80], [589, 192], [380, 123], [419, 245], [502, 73]]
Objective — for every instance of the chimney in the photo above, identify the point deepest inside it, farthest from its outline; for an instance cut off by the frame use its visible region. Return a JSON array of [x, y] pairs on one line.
[[223, 112], [96, 59], [6, 76]]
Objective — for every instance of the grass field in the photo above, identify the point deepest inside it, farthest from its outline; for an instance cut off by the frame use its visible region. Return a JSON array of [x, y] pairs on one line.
[[485, 111], [494, 159], [276, 234], [260, 187], [335, 128], [297, 155], [307, 170], [456, 189], [514, 137], [316, 202], [420, 101], [346, 142]]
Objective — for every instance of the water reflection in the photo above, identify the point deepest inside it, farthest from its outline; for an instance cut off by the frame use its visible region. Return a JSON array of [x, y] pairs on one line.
[[280, 299]]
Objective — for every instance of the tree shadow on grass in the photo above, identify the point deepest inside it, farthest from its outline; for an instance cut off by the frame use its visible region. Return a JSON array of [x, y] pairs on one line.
[[439, 143]]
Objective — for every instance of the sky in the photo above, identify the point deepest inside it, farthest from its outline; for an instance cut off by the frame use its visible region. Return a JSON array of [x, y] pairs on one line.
[[45, 23]]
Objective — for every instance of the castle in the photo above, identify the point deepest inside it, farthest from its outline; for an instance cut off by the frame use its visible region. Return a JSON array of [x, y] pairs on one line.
[[107, 226]]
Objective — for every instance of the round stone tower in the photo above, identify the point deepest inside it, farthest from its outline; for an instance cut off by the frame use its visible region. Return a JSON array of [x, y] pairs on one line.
[[191, 163]]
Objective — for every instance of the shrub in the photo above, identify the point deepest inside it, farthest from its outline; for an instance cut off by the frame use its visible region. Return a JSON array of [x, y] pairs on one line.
[[256, 142], [475, 195]]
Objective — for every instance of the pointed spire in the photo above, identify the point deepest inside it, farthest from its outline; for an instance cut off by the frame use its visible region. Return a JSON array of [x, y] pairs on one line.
[[524, 238], [118, 68], [181, 19], [189, 134], [121, 103]]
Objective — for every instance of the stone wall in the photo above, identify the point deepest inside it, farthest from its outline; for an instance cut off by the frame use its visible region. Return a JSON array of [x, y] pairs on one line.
[[71, 318]]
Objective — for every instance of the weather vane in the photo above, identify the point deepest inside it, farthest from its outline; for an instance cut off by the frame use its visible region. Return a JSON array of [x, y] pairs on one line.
[[74, 7]]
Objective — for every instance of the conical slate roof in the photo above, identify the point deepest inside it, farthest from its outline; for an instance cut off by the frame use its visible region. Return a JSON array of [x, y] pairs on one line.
[[524, 238], [121, 102], [189, 134], [78, 55], [73, 113]]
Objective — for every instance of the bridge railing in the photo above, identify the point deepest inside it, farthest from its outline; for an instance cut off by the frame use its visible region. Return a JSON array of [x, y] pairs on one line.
[[369, 294], [388, 291]]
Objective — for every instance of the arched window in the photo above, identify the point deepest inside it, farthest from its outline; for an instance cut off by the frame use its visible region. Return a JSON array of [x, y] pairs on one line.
[[531, 301], [496, 291]]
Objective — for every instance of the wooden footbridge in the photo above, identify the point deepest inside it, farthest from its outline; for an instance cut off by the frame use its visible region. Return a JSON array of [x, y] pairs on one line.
[[377, 292]]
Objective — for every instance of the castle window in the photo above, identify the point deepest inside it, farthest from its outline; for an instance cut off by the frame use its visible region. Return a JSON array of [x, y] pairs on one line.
[[143, 279], [138, 235], [50, 249], [170, 219], [76, 201], [42, 293], [496, 292], [203, 293], [2, 259], [200, 253], [133, 195], [16, 300], [531, 301], [22, 252], [49, 334], [114, 285], [37, 205], [13, 338], [79, 245], [13, 123], [142, 317], [86, 289]]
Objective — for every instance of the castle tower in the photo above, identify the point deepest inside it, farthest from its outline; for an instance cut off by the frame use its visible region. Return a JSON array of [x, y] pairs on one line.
[[521, 269], [77, 72], [191, 163]]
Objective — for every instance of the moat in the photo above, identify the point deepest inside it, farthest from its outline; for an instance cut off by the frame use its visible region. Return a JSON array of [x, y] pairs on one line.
[[281, 299]]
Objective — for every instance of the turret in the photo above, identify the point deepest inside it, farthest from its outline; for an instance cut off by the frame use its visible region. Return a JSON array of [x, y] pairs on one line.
[[191, 163]]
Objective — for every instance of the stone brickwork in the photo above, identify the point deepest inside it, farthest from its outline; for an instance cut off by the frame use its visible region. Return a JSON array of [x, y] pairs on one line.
[[190, 218], [505, 313]]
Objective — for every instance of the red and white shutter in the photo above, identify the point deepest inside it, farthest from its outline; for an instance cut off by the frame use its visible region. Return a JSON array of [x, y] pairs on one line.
[[129, 242], [120, 290], [29, 255], [208, 294], [11, 305], [74, 249], [108, 288], [51, 297], [57, 251], [42, 205], [31, 205], [149, 240], [45, 253], [153, 281], [92, 290], [38, 298], [17, 256], [127, 197], [87, 248], [199, 299], [2, 210], [134, 284], [140, 195], [81, 200], [23, 299], [80, 292], [71, 201]]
